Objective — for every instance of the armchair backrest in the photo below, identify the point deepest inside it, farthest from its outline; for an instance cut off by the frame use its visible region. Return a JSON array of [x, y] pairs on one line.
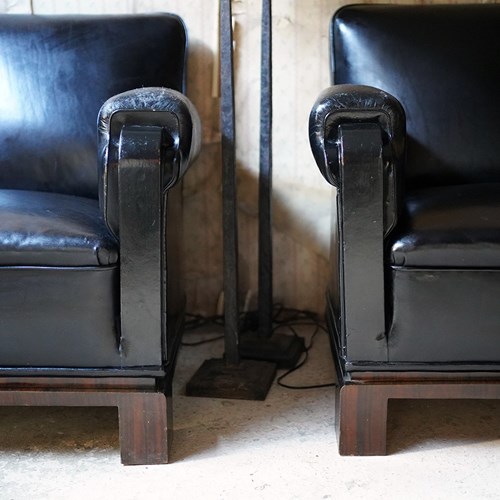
[[442, 62], [55, 74]]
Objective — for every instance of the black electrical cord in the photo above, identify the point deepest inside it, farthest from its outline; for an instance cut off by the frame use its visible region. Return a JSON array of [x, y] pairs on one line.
[[303, 361], [283, 317], [193, 321]]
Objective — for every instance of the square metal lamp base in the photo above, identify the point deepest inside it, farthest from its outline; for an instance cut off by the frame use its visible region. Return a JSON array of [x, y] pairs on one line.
[[248, 379], [284, 350]]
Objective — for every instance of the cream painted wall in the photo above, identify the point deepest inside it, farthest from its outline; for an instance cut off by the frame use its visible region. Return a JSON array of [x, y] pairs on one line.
[[301, 199]]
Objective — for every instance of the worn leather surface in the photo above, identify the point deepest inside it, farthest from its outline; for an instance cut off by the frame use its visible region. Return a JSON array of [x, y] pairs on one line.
[[450, 227], [59, 317], [446, 316], [358, 105], [440, 62], [343, 104], [60, 299], [162, 108], [51, 229], [56, 72], [442, 263]]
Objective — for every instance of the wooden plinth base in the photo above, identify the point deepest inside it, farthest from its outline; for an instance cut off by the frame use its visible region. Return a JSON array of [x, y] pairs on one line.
[[362, 399], [145, 414]]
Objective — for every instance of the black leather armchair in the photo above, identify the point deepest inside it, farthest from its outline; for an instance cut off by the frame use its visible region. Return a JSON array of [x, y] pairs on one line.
[[91, 305], [410, 137]]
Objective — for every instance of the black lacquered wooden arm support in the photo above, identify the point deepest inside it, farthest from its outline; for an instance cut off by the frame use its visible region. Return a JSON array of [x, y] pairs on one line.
[[147, 140], [357, 136]]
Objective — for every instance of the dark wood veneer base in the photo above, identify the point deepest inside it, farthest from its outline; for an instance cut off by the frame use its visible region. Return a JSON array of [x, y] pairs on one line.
[[361, 406], [145, 411]]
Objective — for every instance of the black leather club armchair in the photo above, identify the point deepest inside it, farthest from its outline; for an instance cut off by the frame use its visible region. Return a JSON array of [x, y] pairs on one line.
[[95, 136], [409, 135]]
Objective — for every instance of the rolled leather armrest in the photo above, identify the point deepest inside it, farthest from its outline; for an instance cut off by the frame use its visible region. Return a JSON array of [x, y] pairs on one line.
[[357, 136], [341, 104], [353, 105], [153, 108]]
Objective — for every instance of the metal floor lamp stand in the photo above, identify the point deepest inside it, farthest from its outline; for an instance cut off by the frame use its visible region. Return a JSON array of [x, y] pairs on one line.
[[285, 350], [230, 377]]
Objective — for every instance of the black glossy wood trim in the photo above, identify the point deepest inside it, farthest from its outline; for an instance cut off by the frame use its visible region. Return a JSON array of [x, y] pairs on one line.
[[362, 242]]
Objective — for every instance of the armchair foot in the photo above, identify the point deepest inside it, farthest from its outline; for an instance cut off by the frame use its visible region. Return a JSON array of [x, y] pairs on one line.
[[362, 401], [361, 421], [145, 412], [145, 422]]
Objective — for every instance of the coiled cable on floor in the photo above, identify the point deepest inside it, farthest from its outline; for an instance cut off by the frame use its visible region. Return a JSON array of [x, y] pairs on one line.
[[283, 318]]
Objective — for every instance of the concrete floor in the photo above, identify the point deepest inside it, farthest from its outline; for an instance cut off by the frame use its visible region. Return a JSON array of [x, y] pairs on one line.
[[282, 448]]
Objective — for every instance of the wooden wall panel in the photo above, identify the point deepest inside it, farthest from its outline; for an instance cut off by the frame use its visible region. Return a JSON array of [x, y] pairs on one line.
[[301, 199]]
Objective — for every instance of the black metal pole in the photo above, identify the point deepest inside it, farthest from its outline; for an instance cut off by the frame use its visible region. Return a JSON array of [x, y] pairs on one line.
[[264, 344], [265, 177], [230, 377], [229, 207]]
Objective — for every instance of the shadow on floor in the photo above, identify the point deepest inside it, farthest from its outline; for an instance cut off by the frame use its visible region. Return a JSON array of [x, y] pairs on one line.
[[58, 429], [202, 423], [437, 424]]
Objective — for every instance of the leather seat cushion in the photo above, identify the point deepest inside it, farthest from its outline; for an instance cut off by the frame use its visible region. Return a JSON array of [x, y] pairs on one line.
[[449, 227], [60, 317], [51, 229]]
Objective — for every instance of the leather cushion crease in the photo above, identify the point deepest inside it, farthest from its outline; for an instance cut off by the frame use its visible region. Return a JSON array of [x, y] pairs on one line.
[[51, 229], [449, 227]]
